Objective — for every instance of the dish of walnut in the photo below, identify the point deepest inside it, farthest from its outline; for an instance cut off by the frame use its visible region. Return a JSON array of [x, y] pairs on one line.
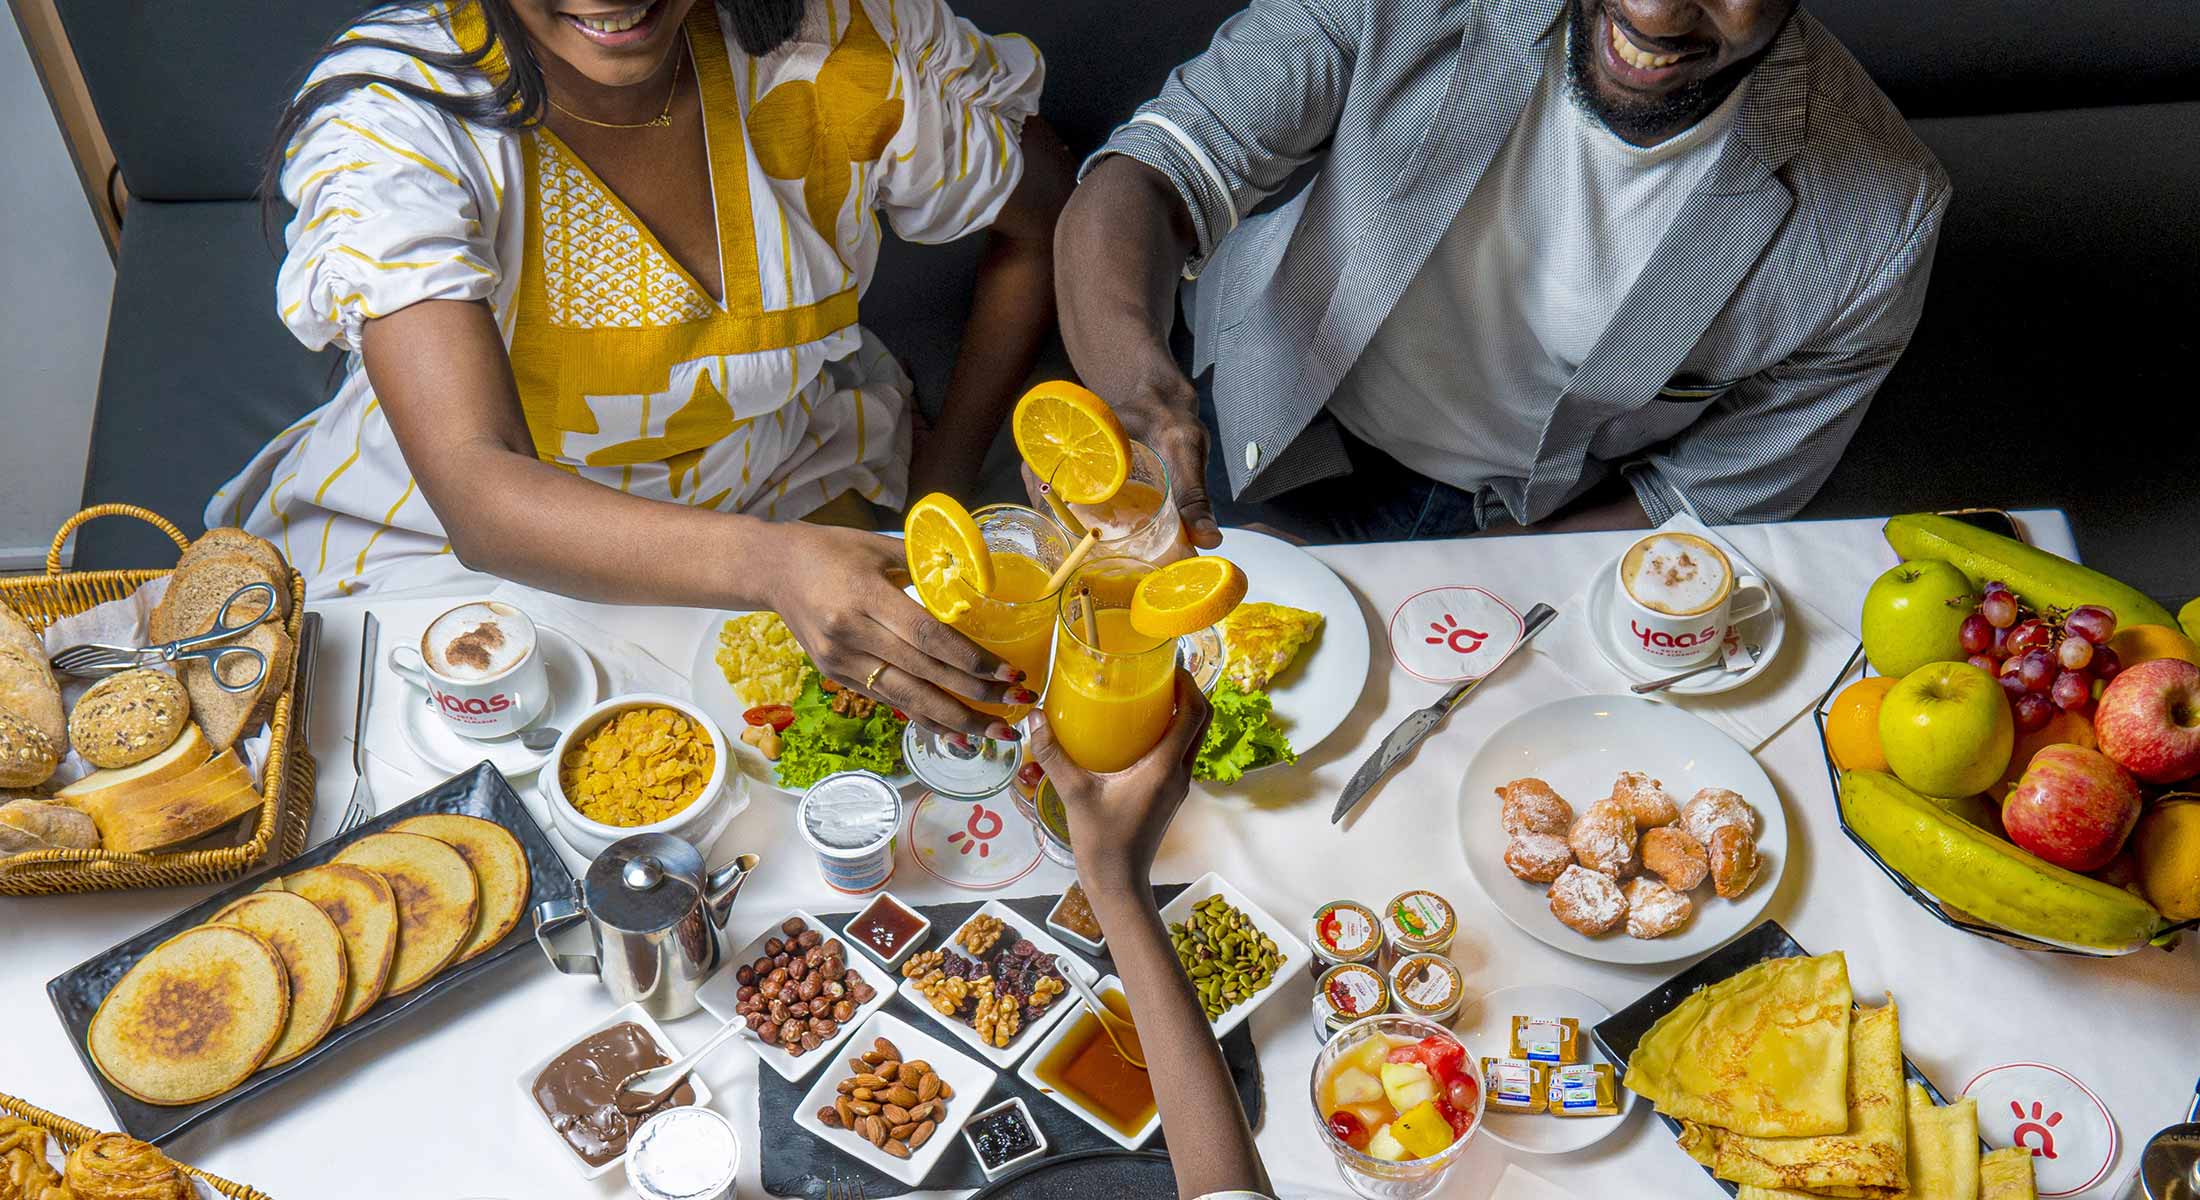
[[991, 979], [1631, 859], [800, 991]]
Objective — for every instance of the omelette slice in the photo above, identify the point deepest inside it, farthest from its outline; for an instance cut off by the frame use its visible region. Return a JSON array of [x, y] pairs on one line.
[[1944, 1154], [2007, 1175], [1867, 1161], [1262, 640], [1764, 1053]]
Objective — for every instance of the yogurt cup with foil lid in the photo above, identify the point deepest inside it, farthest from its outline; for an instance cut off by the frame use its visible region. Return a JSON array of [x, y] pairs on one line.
[[1346, 993], [1417, 922], [1427, 986], [688, 1153], [1344, 931]]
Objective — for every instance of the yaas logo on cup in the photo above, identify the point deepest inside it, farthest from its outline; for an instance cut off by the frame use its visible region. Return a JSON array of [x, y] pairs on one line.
[[479, 666], [1678, 595]]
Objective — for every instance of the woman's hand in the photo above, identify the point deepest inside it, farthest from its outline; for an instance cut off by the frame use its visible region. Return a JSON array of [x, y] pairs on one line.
[[1117, 821], [843, 600]]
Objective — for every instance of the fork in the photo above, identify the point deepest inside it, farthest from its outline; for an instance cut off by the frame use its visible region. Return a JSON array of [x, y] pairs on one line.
[[837, 1189], [362, 799]]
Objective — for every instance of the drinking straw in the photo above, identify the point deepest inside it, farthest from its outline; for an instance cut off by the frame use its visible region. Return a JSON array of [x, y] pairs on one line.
[[1077, 556]]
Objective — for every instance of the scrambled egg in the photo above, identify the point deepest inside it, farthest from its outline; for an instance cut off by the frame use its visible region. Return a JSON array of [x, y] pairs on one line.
[[761, 660], [1262, 639]]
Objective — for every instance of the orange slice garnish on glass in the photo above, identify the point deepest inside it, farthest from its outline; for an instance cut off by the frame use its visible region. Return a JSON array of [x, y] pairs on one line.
[[1070, 438], [1186, 596], [948, 559]]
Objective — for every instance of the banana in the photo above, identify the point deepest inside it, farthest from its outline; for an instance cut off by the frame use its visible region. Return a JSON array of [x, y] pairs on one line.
[[2039, 578], [1994, 880]]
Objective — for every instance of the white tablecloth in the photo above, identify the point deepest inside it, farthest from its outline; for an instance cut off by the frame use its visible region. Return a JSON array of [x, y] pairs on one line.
[[433, 1109]]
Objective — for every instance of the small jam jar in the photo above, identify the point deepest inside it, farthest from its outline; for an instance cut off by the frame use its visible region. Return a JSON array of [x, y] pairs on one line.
[[1417, 922], [1427, 986], [1346, 993], [1344, 931]]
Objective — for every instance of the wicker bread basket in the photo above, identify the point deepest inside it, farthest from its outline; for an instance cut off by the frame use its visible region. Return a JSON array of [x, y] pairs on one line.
[[70, 1135], [286, 789]]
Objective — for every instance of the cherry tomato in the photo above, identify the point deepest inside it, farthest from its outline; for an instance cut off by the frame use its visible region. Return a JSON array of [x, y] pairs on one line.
[[778, 716], [1348, 1129]]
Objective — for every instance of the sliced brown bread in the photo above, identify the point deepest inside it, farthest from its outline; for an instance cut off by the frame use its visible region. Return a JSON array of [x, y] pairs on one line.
[[197, 592], [499, 865], [437, 898], [186, 754], [313, 956], [227, 717], [193, 1018], [236, 541], [364, 909]]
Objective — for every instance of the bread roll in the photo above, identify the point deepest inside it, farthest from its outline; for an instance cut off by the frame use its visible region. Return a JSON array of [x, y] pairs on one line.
[[27, 825], [27, 685], [127, 718], [27, 756]]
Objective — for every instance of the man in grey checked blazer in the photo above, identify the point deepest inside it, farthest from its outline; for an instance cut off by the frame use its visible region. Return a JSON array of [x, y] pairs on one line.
[[1731, 371]]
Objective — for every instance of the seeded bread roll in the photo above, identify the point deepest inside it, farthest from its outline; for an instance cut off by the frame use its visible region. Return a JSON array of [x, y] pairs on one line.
[[27, 756], [27, 686], [127, 718]]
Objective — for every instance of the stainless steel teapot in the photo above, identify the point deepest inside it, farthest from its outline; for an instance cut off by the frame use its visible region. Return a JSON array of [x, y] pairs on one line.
[[656, 919]]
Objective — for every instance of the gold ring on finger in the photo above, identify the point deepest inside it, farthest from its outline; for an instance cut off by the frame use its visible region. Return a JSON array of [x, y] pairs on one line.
[[870, 682]]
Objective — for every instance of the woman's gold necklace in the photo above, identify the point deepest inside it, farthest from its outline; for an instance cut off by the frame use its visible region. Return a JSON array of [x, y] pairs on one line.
[[662, 120]]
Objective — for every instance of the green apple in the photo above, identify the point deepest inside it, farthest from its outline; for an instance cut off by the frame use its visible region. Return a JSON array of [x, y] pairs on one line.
[[1912, 614], [1946, 730]]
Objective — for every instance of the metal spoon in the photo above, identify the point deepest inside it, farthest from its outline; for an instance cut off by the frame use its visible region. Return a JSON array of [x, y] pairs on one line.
[[540, 738], [1121, 1032], [1716, 664], [645, 1090]]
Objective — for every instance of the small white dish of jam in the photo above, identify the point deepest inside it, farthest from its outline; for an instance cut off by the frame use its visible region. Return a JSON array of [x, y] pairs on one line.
[[888, 930]]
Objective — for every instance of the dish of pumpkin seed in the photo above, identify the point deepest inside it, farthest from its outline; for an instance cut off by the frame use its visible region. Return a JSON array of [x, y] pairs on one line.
[[1226, 955]]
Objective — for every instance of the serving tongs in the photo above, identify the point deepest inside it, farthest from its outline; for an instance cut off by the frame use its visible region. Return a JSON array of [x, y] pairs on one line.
[[94, 659]]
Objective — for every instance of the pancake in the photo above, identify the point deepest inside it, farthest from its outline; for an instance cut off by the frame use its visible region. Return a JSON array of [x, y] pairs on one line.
[[313, 956], [1944, 1154], [193, 1018], [1866, 1161], [364, 911], [499, 865], [1763, 1053], [437, 898], [2007, 1175]]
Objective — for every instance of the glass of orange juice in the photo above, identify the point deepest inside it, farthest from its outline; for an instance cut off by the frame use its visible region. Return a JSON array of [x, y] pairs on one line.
[[1015, 621], [1140, 521], [1113, 690]]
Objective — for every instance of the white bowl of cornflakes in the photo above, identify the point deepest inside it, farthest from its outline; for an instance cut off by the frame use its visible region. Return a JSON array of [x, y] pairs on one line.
[[640, 763]]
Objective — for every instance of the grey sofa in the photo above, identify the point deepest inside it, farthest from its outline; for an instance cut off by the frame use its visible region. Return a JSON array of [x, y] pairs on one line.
[[2060, 322]]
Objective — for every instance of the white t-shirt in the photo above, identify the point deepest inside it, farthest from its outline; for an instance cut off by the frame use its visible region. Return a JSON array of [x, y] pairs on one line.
[[1462, 374]]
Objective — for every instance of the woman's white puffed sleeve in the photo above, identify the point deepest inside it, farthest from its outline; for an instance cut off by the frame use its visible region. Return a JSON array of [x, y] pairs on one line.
[[957, 157]]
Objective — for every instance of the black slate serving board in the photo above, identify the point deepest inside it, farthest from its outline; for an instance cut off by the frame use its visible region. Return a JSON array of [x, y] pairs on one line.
[[481, 792], [800, 1165], [1619, 1034], [1086, 1174]]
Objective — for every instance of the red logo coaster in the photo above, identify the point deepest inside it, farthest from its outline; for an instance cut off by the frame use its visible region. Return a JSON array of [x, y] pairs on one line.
[[2047, 1111], [1447, 634]]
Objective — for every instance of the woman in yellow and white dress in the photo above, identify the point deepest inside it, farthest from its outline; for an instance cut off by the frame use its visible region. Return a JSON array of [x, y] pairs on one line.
[[598, 269]]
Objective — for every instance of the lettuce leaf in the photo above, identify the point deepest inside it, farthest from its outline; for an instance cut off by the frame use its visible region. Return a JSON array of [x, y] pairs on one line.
[[821, 741], [1242, 736]]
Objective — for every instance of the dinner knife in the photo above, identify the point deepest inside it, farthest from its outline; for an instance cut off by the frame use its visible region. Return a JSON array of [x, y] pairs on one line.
[[1422, 722]]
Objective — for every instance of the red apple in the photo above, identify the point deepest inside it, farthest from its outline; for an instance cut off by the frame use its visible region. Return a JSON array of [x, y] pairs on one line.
[[2073, 807], [2148, 720]]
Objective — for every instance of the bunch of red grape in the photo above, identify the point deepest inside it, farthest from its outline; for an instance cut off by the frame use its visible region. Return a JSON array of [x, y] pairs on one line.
[[2043, 664]]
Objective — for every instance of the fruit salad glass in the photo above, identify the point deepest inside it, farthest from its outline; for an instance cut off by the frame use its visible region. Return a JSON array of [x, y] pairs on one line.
[[1392, 1171]]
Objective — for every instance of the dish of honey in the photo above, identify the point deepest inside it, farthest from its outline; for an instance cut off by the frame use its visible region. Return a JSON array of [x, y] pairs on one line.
[[1087, 1070]]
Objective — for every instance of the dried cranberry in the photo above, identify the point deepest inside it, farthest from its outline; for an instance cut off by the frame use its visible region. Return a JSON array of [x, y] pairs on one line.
[[1023, 948]]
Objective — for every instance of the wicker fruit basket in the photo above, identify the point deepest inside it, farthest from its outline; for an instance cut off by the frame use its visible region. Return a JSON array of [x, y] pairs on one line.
[[70, 1135], [286, 789]]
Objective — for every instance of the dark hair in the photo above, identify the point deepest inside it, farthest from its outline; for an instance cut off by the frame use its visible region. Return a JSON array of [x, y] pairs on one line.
[[517, 100]]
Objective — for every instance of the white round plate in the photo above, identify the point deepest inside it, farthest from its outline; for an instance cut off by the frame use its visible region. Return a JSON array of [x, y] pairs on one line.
[[1319, 690], [1486, 1027], [1767, 629], [575, 686], [1579, 746], [708, 688]]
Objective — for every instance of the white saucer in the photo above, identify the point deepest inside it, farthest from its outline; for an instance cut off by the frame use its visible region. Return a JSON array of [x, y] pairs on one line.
[[1486, 1026], [1768, 629], [575, 686]]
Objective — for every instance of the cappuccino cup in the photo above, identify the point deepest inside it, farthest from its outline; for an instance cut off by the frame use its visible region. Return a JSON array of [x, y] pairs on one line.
[[480, 667], [1679, 598]]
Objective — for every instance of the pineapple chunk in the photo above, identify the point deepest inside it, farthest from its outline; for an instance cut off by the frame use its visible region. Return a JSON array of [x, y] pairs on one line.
[[1354, 1086], [1407, 1085], [1368, 1056], [1423, 1131], [1386, 1147]]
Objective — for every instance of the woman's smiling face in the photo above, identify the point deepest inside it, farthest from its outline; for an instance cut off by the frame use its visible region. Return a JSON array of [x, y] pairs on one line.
[[612, 44]]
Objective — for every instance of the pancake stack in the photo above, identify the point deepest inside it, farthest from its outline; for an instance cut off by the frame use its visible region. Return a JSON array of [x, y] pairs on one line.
[[1784, 1086], [273, 973]]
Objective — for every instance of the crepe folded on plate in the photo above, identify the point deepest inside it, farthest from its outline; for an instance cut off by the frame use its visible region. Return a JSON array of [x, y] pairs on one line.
[[2007, 1175], [1764, 1053], [1944, 1153], [1865, 1161]]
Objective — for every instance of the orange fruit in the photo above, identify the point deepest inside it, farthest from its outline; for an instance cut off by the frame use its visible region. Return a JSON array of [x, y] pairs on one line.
[[1070, 438], [948, 559], [1186, 596], [2135, 644], [1852, 724], [2061, 729]]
